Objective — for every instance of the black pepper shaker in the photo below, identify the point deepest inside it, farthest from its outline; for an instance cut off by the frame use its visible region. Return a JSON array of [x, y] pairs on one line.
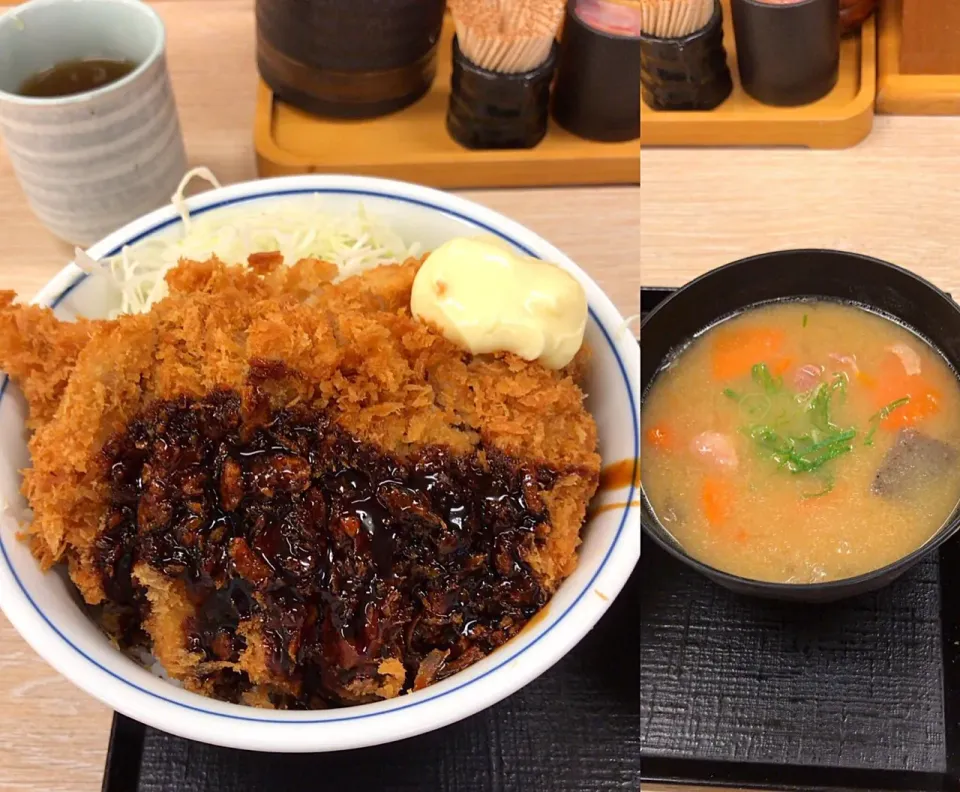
[[789, 53], [597, 93]]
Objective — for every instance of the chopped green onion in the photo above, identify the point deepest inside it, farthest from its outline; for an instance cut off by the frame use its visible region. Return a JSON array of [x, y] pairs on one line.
[[839, 384], [731, 394], [804, 320], [799, 455], [881, 415], [828, 485], [841, 437], [776, 437], [762, 376], [894, 405], [819, 409], [754, 406]]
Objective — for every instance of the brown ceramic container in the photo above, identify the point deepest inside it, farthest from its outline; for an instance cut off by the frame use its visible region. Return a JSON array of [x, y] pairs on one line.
[[348, 58]]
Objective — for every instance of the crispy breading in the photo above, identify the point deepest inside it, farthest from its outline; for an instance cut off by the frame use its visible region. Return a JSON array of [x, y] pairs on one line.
[[354, 351], [39, 352]]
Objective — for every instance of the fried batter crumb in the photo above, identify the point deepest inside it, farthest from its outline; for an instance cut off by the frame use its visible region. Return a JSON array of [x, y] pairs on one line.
[[261, 344]]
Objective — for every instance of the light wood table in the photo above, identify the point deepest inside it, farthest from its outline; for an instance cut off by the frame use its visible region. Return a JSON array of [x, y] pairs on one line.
[[53, 737], [896, 197]]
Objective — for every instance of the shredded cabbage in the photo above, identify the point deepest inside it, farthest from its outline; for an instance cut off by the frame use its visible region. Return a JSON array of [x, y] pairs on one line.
[[296, 227]]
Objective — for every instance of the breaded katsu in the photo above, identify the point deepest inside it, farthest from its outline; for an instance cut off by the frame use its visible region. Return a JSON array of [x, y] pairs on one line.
[[290, 490]]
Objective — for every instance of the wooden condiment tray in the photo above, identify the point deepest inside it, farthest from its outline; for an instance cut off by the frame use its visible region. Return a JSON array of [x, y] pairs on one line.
[[414, 145], [909, 94], [841, 119]]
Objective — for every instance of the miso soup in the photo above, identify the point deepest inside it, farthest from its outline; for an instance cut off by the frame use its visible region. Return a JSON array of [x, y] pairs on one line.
[[803, 442]]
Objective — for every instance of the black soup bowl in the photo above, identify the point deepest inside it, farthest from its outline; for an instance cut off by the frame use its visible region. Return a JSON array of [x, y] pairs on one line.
[[791, 275]]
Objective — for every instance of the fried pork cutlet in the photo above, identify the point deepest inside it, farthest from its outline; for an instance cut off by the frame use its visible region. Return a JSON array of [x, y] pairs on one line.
[[292, 492]]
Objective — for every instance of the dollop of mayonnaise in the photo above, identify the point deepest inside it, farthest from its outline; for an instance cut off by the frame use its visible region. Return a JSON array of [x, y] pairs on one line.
[[485, 298]]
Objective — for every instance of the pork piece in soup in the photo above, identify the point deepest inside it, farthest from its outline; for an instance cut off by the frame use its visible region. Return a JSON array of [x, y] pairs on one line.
[[803, 442]]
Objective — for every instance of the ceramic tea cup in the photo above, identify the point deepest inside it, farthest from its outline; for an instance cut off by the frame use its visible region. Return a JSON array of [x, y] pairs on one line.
[[90, 162]]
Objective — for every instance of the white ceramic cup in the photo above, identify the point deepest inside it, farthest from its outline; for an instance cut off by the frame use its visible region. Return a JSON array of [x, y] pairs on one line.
[[91, 162]]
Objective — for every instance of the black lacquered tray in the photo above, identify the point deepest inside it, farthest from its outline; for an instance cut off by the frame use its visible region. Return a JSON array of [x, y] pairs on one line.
[[575, 729], [862, 694]]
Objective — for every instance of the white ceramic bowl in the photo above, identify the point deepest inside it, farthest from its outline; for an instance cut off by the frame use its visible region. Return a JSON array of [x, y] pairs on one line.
[[44, 608]]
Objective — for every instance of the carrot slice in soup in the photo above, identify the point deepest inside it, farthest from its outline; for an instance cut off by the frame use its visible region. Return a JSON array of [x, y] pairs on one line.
[[894, 383], [717, 499], [779, 366], [660, 437], [924, 402], [735, 352]]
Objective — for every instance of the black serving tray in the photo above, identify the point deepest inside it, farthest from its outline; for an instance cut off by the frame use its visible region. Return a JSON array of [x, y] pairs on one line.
[[574, 729], [862, 694]]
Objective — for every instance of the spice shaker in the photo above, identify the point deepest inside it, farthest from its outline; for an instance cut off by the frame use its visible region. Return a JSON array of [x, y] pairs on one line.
[[788, 50], [597, 92]]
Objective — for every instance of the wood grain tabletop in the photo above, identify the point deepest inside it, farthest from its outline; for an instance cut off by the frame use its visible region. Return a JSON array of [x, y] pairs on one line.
[[53, 738], [895, 196]]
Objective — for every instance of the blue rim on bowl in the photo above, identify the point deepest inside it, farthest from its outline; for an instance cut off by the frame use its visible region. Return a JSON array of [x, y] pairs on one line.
[[427, 695]]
